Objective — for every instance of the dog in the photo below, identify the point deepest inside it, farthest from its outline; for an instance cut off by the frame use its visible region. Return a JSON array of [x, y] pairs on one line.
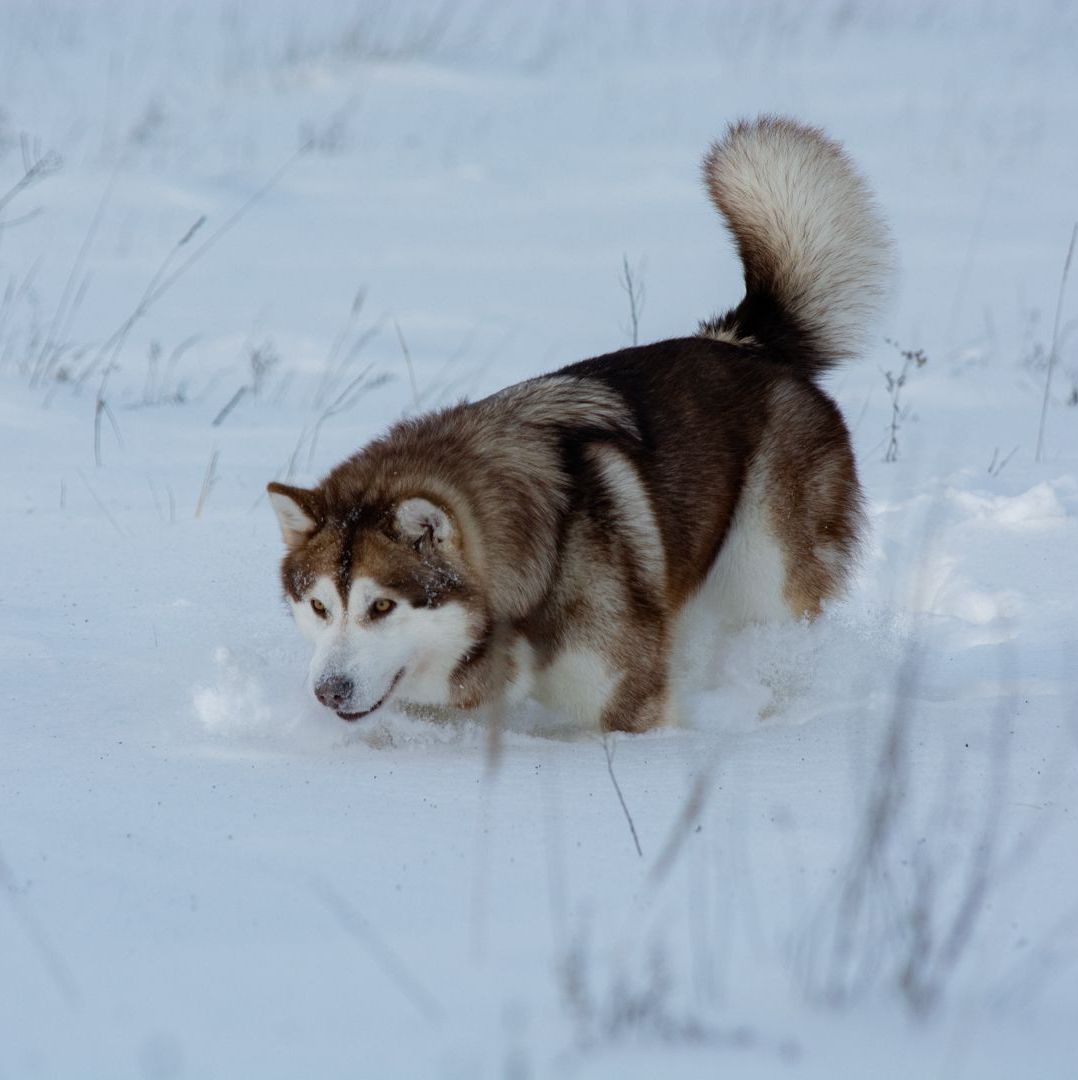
[[552, 539]]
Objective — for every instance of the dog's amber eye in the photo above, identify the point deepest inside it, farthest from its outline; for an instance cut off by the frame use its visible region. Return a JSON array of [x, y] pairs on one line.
[[382, 607], [319, 608]]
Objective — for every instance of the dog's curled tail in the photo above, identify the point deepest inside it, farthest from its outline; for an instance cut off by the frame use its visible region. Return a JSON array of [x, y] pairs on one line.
[[816, 253]]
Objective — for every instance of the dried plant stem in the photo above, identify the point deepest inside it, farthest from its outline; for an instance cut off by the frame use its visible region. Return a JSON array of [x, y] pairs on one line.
[[634, 290], [34, 170], [408, 362], [51, 345], [232, 402], [690, 814], [207, 482], [332, 367], [1053, 356], [101, 408], [996, 465], [621, 798], [116, 342], [343, 401], [911, 358], [500, 643], [166, 283], [163, 280], [100, 505]]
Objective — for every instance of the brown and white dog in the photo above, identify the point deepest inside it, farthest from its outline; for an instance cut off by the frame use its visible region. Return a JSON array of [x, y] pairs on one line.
[[552, 539]]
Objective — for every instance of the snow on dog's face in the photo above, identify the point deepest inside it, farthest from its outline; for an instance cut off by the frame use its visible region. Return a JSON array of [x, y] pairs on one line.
[[382, 594]]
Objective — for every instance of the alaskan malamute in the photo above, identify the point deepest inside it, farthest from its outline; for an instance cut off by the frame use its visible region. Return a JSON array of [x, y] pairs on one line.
[[548, 539]]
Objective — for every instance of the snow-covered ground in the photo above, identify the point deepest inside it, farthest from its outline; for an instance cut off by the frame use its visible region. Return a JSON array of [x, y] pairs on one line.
[[204, 874]]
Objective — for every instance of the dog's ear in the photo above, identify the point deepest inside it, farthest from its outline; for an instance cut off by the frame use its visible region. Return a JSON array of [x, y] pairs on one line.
[[299, 512], [423, 525]]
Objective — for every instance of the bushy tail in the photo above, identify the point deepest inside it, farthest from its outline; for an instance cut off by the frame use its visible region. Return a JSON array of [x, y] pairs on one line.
[[816, 253]]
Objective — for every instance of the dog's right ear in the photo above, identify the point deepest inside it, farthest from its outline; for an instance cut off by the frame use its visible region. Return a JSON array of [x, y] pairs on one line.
[[299, 511]]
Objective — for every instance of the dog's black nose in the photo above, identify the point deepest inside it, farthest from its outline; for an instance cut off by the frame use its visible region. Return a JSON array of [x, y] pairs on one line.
[[334, 691]]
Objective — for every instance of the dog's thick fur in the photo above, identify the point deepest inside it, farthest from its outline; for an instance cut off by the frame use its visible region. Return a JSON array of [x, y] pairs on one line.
[[551, 538]]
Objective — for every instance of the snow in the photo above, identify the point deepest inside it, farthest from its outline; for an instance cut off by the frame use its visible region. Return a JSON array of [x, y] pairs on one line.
[[202, 872]]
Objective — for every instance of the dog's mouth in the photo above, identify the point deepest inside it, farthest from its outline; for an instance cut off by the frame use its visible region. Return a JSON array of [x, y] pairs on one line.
[[351, 716]]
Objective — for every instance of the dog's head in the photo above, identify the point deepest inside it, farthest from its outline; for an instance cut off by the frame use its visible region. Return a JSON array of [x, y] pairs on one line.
[[382, 592]]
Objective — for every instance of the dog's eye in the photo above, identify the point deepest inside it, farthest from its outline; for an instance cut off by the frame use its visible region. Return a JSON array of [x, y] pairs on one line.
[[381, 607], [319, 609]]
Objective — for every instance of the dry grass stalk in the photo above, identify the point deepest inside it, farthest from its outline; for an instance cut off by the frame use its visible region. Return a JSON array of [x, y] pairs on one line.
[[1053, 355]]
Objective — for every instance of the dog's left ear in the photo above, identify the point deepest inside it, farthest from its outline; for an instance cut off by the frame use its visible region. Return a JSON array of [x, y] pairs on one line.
[[299, 512], [422, 524]]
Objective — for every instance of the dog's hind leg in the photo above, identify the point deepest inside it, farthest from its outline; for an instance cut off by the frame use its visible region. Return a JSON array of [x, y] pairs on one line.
[[813, 498], [641, 701], [638, 706]]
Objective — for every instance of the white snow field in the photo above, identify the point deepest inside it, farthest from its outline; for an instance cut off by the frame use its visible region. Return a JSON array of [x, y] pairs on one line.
[[858, 852]]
